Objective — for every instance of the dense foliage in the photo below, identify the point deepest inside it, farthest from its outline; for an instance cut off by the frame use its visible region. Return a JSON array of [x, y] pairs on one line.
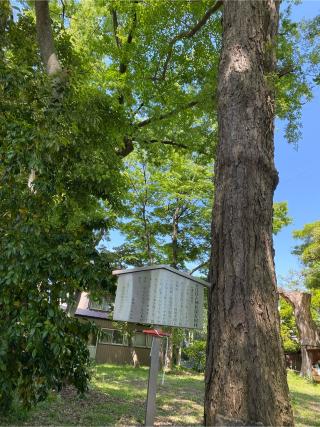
[[288, 328], [309, 253], [168, 211], [49, 232], [195, 355]]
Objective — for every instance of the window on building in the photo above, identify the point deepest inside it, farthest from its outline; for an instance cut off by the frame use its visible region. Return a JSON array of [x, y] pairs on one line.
[[92, 339], [103, 305], [112, 336], [142, 340]]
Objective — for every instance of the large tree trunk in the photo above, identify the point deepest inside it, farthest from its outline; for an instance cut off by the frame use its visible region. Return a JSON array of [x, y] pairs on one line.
[[245, 373], [308, 332]]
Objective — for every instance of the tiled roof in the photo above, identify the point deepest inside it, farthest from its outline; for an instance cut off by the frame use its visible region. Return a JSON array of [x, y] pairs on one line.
[[92, 313]]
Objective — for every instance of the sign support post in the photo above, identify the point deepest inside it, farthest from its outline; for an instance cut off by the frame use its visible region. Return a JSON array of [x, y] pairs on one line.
[[152, 383]]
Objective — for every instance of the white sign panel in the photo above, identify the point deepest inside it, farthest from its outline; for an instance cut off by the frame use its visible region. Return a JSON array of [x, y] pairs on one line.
[[159, 297]]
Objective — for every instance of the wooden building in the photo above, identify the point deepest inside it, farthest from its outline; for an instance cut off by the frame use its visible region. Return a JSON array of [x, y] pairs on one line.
[[111, 344], [293, 360]]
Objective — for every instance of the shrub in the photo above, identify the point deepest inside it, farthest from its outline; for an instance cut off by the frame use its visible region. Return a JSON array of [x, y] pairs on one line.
[[196, 355]]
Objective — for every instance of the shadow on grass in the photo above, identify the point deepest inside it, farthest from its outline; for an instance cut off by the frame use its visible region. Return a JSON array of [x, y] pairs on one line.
[[303, 398], [118, 393]]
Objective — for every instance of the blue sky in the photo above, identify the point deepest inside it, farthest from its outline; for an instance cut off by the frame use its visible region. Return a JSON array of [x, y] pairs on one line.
[[299, 170]]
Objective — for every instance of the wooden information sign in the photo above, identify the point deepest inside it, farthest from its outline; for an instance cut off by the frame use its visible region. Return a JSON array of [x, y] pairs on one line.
[[159, 295]]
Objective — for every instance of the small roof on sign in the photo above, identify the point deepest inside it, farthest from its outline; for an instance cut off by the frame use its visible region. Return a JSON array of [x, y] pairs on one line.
[[162, 267]]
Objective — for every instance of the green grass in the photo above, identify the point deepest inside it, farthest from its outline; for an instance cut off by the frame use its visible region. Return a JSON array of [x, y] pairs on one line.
[[117, 397], [305, 399]]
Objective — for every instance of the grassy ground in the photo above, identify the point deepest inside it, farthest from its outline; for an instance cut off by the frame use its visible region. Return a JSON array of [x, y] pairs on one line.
[[305, 399], [118, 394]]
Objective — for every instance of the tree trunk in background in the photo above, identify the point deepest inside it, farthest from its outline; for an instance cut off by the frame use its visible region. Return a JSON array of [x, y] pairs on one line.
[[308, 332], [54, 70], [45, 39], [169, 355], [306, 362], [245, 373], [134, 355], [174, 241], [177, 350], [49, 58], [73, 304]]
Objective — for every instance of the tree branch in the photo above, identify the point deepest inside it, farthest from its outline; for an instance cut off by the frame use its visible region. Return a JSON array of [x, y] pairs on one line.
[[139, 108], [63, 13], [134, 24], [115, 28], [123, 65], [286, 70], [166, 115], [203, 264], [165, 142], [127, 148], [188, 34], [301, 303]]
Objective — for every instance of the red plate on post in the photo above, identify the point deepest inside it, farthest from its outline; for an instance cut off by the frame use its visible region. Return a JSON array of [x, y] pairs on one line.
[[156, 333]]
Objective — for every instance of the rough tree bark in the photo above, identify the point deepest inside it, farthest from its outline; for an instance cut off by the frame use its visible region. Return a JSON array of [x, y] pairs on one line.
[[245, 373], [308, 332]]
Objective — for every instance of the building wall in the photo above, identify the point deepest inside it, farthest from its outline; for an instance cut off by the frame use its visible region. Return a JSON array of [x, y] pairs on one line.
[[121, 355], [315, 352], [293, 360], [116, 353]]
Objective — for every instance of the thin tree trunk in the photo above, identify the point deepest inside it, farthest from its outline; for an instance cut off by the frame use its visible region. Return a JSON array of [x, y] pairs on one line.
[[45, 39], [134, 355], [146, 225], [5, 18], [177, 354], [49, 58], [245, 372], [169, 354], [306, 362], [308, 331], [73, 304], [174, 242]]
